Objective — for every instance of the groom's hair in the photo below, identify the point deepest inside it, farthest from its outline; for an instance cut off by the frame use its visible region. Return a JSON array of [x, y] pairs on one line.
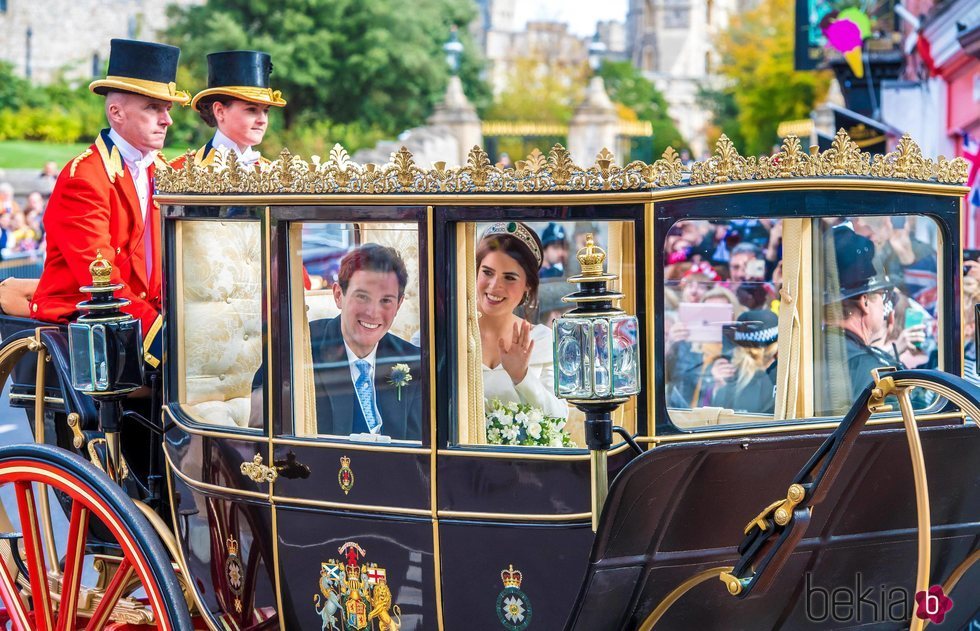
[[372, 257]]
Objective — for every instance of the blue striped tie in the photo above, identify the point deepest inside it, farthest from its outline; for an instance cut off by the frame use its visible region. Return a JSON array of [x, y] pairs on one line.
[[365, 394]]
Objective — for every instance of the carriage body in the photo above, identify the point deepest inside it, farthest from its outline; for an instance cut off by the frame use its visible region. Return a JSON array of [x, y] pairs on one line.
[[280, 521]]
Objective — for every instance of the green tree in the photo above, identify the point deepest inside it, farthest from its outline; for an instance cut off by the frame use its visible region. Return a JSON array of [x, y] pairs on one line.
[[757, 57], [627, 85], [377, 64]]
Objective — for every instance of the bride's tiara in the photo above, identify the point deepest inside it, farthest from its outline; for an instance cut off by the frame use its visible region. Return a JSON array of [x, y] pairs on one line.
[[520, 232]]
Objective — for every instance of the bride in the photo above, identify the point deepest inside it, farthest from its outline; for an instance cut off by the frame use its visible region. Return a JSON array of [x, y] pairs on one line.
[[517, 357]]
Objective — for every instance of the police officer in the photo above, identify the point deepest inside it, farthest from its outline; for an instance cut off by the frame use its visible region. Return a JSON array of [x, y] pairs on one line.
[[858, 299], [555, 252]]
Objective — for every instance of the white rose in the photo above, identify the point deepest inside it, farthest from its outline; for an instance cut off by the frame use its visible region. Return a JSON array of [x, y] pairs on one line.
[[555, 441], [534, 430], [536, 416]]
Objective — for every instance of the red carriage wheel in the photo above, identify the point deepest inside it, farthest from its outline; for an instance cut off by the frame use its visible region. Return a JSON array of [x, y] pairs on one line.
[[49, 598]]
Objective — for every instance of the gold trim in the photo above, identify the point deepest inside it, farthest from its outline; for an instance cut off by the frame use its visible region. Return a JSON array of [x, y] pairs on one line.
[[510, 455], [566, 199], [152, 89], [112, 161], [320, 443], [366, 508], [649, 267], [679, 591], [923, 516], [275, 567], [253, 437], [213, 488], [181, 562], [148, 341], [433, 426], [253, 94], [78, 158], [585, 518], [556, 172]]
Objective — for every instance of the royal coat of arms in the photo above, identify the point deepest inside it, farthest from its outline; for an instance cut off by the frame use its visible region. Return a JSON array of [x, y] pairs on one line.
[[513, 605], [355, 595]]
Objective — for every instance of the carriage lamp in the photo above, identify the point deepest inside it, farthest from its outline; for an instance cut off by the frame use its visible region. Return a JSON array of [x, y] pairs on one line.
[[106, 350], [596, 357]]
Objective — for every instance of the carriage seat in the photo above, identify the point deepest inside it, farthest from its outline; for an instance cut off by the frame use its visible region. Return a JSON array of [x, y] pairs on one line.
[[220, 328]]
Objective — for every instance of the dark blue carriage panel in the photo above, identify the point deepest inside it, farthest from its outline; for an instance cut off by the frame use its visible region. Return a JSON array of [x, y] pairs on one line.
[[682, 508], [349, 570], [511, 575], [226, 546]]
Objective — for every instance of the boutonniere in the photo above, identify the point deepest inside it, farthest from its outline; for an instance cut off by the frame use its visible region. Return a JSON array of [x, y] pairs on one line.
[[399, 377]]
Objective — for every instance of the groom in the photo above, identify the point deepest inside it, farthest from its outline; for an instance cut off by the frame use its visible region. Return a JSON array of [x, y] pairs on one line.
[[358, 366]]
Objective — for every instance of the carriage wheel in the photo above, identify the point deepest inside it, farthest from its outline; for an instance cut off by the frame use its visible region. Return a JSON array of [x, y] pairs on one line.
[[138, 586]]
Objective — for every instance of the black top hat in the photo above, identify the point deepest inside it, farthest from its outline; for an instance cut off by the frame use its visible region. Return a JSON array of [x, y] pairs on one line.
[[854, 266], [553, 233], [145, 68], [242, 74], [754, 328]]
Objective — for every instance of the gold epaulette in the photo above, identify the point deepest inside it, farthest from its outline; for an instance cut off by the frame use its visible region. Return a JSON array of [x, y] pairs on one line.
[[79, 158]]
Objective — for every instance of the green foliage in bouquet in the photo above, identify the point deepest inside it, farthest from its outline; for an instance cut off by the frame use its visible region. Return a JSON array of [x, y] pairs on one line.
[[514, 423]]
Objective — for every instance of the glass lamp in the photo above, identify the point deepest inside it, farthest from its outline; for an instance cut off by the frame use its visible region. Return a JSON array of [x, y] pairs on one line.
[[596, 357], [106, 351]]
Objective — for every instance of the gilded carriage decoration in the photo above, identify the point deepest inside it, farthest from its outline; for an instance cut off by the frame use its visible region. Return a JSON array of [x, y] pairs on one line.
[[354, 594], [345, 477], [513, 605], [234, 571]]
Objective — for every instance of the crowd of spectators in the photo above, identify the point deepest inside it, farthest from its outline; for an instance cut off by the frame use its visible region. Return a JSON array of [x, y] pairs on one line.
[[722, 300], [21, 226]]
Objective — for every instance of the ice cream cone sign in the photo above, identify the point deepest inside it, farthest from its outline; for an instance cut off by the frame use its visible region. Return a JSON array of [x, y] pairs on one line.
[[845, 36]]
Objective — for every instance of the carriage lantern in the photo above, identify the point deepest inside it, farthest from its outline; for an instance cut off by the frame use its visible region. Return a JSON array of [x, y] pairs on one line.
[[106, 350], [596, 357]]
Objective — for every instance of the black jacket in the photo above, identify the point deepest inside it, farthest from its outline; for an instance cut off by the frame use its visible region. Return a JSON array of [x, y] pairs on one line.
[[337, 406]]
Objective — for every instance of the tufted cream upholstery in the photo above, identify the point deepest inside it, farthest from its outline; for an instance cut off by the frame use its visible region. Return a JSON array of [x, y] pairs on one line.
[[221, 324]]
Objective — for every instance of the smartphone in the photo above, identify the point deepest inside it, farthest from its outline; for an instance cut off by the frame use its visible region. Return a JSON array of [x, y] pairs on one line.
[[914, 317]]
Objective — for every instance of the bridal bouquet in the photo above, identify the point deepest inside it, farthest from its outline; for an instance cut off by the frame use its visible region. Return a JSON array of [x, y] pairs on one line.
[[515, 423]]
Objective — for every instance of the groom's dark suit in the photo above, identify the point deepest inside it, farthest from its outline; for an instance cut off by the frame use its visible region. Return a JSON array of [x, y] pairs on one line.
[[338, 411]]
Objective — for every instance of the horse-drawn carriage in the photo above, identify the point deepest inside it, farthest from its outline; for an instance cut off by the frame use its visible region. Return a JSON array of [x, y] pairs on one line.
[[233, 492]]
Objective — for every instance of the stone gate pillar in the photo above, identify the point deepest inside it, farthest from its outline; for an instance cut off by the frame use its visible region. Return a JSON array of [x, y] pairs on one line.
[[594, 125], [458, 115]]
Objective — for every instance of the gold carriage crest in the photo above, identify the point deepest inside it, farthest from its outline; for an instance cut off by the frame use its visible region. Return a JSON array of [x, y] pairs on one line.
[[345, 477], [234, 571], [355, 594]]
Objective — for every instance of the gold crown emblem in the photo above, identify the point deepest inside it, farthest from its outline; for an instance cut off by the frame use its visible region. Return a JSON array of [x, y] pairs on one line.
[[591, 257], [231, 545], [101, 270], [344, 461], [512, 577]]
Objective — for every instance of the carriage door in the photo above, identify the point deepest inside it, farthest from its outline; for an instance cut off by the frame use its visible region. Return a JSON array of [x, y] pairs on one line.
[[218, 402], [352, 442], [513, 471]]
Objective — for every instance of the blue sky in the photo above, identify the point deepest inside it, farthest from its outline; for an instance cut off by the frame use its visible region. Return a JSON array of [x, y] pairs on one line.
[[581, 15]]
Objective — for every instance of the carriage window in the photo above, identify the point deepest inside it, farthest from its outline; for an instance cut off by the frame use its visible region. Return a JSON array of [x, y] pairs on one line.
[[219, 267], [510, 280], [879, 294], [737, 350], [721, 322], [356, 343]]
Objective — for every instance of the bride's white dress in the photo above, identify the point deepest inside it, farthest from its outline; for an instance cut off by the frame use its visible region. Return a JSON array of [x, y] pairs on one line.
[[538, 386]]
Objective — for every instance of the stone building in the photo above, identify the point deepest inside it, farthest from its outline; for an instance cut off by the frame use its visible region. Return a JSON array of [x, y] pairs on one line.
[[71, 37], [670, 41]]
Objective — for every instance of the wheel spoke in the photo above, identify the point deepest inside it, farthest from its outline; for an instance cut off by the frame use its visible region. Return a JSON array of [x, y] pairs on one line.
[[35, 556], [112, 594], [11, 596], [75, 556]]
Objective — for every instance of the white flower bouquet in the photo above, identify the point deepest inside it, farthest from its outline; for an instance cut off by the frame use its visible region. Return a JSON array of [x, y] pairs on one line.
[[515, 423]]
